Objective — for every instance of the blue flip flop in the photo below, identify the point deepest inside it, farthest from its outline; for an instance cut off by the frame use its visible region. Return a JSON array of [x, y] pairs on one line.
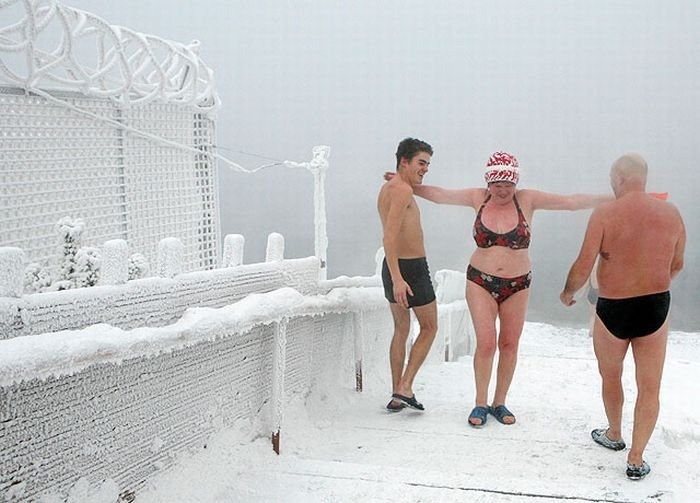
[[500, 412], [409, 400], [479, 412]]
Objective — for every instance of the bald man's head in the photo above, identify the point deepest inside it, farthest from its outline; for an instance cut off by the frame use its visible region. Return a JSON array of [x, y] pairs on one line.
[[629, 173]]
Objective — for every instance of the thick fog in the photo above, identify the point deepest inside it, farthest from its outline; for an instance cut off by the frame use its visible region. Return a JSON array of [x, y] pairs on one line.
[[567, 87]]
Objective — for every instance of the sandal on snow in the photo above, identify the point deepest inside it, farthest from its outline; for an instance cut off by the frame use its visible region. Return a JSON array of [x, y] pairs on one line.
[[391, 407], [479, 412], [500, 412], [635, 472], [600, 437], [409, 400]]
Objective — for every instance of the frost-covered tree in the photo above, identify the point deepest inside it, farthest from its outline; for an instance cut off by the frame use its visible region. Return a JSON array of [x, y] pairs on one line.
[[36, 278], [70, 234], [138, 266], [88, 262]]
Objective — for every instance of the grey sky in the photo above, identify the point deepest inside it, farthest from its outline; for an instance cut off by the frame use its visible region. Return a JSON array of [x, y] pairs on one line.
[[566, 86]]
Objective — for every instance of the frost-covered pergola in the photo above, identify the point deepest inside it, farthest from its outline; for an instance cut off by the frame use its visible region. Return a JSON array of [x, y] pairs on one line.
[[107, 125], [116, 128]]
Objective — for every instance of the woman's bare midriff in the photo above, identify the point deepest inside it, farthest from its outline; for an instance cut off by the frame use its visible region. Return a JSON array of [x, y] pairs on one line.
[[501, 261]]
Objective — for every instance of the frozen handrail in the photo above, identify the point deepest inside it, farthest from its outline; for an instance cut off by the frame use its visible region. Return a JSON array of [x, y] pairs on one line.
[[125, 66]]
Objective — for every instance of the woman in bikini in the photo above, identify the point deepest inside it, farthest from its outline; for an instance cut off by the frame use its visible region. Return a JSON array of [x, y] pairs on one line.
[[498, 275]]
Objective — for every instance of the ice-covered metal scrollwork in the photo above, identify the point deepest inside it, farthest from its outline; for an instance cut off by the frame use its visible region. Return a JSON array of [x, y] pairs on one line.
[[47, 45]]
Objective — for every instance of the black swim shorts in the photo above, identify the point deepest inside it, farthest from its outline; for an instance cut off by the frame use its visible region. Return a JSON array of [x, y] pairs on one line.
[[634, 316], [415, 272]]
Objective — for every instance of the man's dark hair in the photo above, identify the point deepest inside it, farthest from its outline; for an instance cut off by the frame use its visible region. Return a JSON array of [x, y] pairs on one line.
[[409, 148]]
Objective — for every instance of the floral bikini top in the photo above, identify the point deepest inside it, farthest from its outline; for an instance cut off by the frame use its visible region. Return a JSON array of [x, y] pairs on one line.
[[516, 239]]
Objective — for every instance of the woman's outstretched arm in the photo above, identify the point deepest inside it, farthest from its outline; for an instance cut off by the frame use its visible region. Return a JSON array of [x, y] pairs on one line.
[[549, 201], [440, 195]]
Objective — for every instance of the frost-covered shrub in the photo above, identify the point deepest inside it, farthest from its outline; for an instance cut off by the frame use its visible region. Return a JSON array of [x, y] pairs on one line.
[[138, 266], [87, 267], [171, 253], [70, 234], [36, 278]]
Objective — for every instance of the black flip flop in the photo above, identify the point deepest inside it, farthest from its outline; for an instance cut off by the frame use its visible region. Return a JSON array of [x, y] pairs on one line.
[[409, 400], [395, 408]]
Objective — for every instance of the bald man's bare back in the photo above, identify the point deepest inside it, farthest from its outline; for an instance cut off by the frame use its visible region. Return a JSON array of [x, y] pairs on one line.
[[641, 246]]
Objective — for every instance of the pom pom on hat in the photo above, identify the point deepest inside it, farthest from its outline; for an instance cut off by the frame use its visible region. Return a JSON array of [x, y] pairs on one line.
[[502, 167]]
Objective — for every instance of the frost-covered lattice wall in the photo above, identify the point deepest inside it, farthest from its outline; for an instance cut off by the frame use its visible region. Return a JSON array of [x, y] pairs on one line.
[[57, 163], [104, 124]]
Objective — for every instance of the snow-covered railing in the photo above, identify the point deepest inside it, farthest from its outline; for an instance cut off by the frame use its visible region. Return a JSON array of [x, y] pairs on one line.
[[46, 44], [318, 166], [104, 405], [456, 333], [149, 301]]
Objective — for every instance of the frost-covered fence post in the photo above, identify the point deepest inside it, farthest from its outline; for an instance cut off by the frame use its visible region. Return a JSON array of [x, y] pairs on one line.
[[171, 254], [279, 358], [358, 334], [379, 261], [318, 167], [11, 272], [115, 262], [275, 248], [447, 330], [233, 250]]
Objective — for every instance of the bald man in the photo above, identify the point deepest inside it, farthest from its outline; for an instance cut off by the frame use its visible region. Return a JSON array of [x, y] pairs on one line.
[[640, 240]]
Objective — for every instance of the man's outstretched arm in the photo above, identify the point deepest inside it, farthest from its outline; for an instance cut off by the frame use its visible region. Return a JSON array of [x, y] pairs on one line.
[[583, 265]]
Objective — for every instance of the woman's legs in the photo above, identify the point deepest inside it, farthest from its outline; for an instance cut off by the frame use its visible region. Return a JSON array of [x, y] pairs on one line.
[[512, 319], [484, 310]]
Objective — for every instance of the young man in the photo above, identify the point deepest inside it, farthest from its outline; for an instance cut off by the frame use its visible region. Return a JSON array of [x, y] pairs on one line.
[[405, 273], [640, 240]]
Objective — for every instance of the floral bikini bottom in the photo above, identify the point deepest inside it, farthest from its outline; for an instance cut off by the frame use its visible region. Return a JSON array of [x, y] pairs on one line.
[[499, 288]]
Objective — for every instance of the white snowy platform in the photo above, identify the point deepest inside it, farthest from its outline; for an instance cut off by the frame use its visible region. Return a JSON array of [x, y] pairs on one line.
[[341, 446]]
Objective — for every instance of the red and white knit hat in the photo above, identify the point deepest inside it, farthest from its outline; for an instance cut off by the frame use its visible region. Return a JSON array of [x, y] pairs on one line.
[[502, 167]]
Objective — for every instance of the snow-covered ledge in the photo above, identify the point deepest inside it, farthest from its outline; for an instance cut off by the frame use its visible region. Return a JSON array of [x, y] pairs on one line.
[[103, 403], [150, 301]]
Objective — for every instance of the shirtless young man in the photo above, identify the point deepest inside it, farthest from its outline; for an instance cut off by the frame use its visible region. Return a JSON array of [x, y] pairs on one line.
[[405, 273], [640, 240]]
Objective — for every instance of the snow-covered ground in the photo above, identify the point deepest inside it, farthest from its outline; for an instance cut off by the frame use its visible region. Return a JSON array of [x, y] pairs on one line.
[[341, 446]]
